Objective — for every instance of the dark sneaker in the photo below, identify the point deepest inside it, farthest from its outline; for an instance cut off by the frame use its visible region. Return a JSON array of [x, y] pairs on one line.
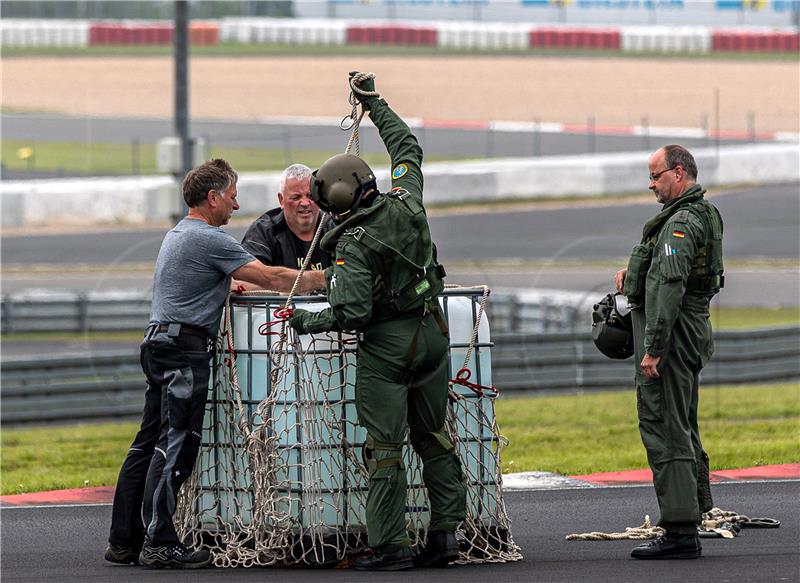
[[175, 556], [122, 555], [670, 546], [397, 559], [441, 550]]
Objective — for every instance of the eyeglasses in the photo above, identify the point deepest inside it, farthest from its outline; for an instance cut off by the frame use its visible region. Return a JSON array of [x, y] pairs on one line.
[[657, 175]]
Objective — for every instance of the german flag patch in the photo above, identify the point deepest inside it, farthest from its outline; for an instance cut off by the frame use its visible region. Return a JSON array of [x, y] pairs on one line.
[[678, 234], [340, 262]]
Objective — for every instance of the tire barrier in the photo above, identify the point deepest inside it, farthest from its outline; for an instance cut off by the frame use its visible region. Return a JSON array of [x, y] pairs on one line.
[[283, 31], [138, 34], [666, 39], [755, 41], [575, 38], [44, 33], [492, 36], [385, 34], [445, 34], [149, 33]]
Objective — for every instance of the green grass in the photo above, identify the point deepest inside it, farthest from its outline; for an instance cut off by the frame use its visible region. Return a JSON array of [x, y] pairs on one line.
[[597, 432], [571, 434], [54, 458], [730, 318], [289, 51], [118, 159]]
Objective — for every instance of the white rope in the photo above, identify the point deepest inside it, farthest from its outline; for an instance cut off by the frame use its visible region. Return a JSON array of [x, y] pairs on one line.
[[723, 523], [643, 532], [355, 117]]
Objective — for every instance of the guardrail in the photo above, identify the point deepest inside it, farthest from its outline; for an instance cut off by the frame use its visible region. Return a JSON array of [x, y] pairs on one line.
[[64, 312], [530, 311], [545, 362], [72, 389]]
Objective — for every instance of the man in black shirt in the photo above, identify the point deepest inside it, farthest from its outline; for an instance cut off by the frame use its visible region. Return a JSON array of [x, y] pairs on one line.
[[282, 236]]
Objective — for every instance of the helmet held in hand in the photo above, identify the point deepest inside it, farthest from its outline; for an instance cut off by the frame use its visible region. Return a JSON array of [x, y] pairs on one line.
[[612, 330]]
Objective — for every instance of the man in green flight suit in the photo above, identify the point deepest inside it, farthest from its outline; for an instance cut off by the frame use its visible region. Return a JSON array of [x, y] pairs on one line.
[[384, 284], [670, 279]]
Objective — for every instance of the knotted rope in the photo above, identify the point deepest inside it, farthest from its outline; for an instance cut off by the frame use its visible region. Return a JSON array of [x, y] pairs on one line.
[[645, 531], [463, 375], [355, 117], [714, 523]]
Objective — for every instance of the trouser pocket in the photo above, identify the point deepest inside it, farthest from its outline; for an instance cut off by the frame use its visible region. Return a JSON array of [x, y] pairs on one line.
[[650, 400]]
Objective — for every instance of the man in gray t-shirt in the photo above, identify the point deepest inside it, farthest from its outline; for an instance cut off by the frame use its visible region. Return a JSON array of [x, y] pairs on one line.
[[193, 274], [193, 293]]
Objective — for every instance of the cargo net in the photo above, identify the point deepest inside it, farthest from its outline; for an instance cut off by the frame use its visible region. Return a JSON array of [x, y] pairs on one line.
[[280, 479]]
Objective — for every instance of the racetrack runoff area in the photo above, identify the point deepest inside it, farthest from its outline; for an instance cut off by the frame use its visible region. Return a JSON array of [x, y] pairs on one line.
[[613, 91]]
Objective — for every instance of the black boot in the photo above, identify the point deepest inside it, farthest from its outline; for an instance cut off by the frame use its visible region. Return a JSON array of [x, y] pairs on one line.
[[122, 555], [175, 556], [441, 550], [388, 559], [670, 546]]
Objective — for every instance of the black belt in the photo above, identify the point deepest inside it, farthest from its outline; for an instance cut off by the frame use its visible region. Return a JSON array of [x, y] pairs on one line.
[[181, 330]]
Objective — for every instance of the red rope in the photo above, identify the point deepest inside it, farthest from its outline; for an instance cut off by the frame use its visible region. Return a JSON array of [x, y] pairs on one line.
[[280, 315], [462, 378]]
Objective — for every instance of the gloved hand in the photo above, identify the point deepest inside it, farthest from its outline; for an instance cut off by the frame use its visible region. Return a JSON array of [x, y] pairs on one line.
[[299, 320], [367, 85]]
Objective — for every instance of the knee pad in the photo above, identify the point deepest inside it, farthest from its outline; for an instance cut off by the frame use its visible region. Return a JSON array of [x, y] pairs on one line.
[[378, 455], [432, 444]]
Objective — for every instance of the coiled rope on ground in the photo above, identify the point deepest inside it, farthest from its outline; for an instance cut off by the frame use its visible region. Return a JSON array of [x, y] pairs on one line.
[[714, 523]]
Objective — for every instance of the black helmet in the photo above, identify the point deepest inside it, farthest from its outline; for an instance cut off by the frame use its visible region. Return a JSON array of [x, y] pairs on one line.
[[612, 331], [339, 184]]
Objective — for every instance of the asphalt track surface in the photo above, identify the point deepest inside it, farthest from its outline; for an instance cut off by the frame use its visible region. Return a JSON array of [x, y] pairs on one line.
[[456, 142], [66, 544], [759, 222], [514, 248]]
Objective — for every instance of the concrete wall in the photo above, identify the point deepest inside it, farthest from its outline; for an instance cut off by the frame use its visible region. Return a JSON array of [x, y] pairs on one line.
[[141, 200]]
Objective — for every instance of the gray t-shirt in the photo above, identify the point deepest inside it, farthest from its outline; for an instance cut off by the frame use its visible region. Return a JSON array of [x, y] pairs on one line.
[[193, 274]]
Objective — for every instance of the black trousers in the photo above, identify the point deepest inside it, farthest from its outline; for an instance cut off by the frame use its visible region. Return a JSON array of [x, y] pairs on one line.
[[164, 450]]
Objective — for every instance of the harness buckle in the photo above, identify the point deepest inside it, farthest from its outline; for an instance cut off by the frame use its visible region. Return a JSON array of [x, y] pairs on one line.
[[356, 233], [399, 193]]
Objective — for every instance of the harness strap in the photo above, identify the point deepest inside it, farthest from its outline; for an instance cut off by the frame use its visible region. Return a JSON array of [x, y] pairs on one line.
[[705, 283]]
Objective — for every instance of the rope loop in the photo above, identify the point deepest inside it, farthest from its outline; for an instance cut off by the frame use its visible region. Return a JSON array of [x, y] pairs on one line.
[[462, 378], [281, 315], [355, 117]]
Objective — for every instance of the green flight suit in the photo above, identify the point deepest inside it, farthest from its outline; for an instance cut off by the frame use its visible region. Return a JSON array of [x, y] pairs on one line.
[[672, 275], [384, 284]]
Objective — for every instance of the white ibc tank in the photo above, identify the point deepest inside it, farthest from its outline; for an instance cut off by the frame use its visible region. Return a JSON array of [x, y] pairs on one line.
[[313, 423]]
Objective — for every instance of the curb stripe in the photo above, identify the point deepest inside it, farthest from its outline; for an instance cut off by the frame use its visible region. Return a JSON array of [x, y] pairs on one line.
[[526, 480]]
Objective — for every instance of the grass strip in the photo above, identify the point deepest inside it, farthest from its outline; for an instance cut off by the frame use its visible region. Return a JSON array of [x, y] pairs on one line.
[[101, 158], [567, 434], [597, 432], [227, 49], [93, 158]]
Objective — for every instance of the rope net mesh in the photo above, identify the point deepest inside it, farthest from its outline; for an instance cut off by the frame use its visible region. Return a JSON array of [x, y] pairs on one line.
[[279, 479]]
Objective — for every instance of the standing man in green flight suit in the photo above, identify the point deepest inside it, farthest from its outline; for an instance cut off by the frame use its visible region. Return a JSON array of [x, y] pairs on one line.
[[384, 284], [670, 279]]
